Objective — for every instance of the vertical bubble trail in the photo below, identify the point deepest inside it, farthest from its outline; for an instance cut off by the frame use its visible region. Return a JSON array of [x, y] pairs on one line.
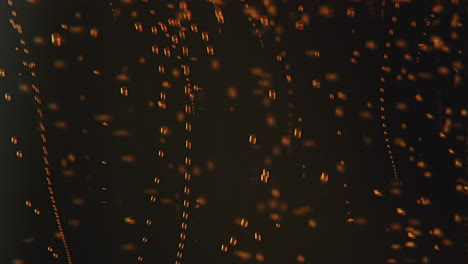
[[37, 97], [385, 70]]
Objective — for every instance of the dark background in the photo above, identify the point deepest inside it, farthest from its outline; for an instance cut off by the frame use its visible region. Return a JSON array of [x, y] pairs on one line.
[[97, 188]]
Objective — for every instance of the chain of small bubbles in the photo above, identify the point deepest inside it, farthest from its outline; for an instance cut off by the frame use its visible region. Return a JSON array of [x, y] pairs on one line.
[[139, 27], [37, 97], [189, 93], [385, 71], [189, 109]]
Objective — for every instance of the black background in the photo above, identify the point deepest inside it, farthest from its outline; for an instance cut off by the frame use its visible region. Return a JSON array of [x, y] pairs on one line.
[[221, 129]]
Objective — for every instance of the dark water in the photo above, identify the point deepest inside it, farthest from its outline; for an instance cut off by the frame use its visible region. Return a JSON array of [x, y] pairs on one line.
[[233, 131]]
